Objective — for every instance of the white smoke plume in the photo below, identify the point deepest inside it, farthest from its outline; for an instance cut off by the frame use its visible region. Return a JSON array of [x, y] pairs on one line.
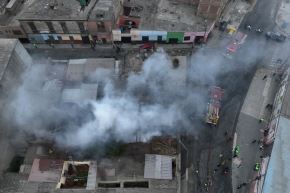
[[154, 102]]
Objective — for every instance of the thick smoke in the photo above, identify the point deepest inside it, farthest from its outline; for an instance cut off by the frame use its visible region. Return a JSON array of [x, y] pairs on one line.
[[161, 99]]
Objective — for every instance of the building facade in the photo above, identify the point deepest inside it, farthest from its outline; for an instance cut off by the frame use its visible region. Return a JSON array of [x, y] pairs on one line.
[[57, 22], [210, 9], [14, 60], [106, 21], [165, 22]]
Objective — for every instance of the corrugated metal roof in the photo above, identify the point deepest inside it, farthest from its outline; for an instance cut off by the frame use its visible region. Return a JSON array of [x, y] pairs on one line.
[[75, 70], [44, 170], [80, 68], [278, 173], [83, 93], [158, 167]]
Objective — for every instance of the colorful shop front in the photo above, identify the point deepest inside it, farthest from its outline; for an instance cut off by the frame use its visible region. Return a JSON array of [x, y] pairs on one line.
[[136, 35], [59, 38]]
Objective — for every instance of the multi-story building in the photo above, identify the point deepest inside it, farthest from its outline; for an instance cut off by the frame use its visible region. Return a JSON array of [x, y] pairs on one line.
[[210, 9], [9, 25], [67, 21], [165, 21], [14, 60], [103, 19], [59, 21]]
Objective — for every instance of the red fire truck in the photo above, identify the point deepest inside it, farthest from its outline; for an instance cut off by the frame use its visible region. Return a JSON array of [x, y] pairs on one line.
[[234, 44], [214, 105]]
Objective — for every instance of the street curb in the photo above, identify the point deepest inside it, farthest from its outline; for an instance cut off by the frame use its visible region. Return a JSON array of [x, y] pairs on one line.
[[253, 5]]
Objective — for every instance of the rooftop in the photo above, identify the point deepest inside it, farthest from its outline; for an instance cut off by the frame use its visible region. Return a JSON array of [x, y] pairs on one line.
[[6, 48], [45, 170], [77, 174], [103, 10], [158, 167], [61, 10], [82, 69], [7, 18], [78, 95], [168, 15]]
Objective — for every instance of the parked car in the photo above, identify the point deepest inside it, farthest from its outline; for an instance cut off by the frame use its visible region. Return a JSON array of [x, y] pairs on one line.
[[276, 36], [234, 44]]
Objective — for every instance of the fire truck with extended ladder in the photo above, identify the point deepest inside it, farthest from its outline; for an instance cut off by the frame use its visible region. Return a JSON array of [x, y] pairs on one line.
[[214, 105]]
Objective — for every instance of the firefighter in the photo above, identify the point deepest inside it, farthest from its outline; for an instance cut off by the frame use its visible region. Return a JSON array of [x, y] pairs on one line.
[[236, 151], [261, 120], [257, 166]]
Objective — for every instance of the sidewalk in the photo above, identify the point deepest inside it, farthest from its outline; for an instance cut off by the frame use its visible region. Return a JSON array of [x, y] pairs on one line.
[[261, 92], [283, 17], [234, 13], [103, 46]]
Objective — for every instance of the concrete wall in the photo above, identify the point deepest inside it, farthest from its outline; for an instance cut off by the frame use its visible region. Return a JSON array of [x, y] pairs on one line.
[[42, 27], [18, 62], [210, 9], [193, 2], [12, 32]]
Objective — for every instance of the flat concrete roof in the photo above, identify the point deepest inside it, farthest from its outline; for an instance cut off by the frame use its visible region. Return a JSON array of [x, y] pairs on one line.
[[79, 69], [78, 95], [103, 8], [6, 48], [45, 170], [7, 19], [168, 15], [64, 10], [158, 167]]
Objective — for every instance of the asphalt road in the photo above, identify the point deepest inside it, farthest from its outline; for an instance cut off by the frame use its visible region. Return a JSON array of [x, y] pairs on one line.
[[263, 15], [213, 141]]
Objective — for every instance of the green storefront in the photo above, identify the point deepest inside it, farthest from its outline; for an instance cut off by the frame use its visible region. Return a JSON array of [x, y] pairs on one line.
[[175, 37], [83, 2]]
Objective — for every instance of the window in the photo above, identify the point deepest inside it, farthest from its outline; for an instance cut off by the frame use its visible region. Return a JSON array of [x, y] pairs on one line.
[[100, 15], [64, 27], [32, 27], [159, 38], [85, 39], [50, 27], [145, 38], [101, 26], [82, 27], [186, 38], [17, 32], [104, 40]]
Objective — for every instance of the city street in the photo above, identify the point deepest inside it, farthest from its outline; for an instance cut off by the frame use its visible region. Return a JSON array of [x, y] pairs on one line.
[[259, 52]]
